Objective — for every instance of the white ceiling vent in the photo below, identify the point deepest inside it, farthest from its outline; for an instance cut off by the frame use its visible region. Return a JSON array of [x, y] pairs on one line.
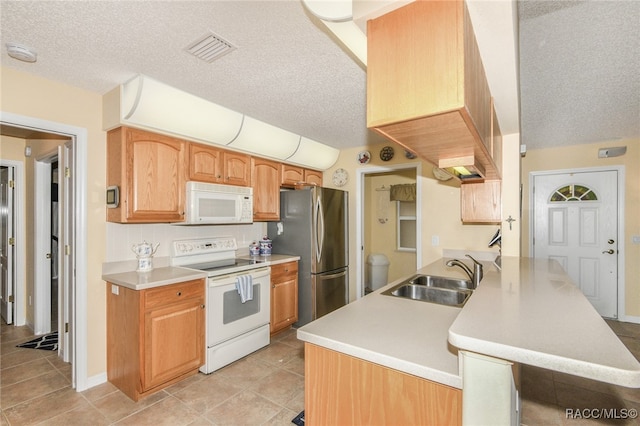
[[210, 47]]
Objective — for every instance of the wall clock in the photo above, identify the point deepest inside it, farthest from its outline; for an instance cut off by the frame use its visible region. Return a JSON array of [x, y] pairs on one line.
[[386, 153], [340, 177]]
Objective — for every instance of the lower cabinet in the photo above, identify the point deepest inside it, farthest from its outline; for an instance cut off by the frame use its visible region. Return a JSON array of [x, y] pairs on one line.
[[284, 296], [155, 337], [343, 389]]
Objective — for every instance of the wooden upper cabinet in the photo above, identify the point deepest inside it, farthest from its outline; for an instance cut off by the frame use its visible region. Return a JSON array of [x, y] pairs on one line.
[[237, 168], [481, 202], [265, 179], [214, 165], [292, 176], [313, 177], [149, 170], [205, 163], [426, 85]]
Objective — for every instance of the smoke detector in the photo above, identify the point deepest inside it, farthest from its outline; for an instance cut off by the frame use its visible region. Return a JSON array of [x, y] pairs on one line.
[[21, 53]]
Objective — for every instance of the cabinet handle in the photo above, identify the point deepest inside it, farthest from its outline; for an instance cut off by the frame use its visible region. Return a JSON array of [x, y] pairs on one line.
[[202, 306], [179, 293]]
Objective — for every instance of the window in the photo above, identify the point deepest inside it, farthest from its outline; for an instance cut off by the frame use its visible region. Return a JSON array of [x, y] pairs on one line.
[[406, 226], [573, 193]]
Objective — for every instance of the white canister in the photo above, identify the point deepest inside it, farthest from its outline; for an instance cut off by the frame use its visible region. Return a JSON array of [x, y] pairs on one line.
[[145, 264]]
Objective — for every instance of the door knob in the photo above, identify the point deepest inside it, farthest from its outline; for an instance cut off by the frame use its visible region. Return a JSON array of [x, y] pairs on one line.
[[610, 251]]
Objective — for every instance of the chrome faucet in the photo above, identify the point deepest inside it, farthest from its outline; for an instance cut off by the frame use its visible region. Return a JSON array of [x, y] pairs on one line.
[[475, 276]]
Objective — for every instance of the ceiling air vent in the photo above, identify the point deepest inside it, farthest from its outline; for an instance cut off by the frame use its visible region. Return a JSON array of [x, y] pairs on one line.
[[210, 47]]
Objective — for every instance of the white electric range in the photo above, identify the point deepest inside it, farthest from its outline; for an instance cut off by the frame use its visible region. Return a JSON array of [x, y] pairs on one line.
[[233, 329]]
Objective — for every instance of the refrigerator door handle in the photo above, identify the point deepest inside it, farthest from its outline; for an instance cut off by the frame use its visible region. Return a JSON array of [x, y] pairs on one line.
[[336, 275], [319, 229]]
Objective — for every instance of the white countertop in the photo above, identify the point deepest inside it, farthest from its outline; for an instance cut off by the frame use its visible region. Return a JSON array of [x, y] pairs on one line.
[[532, 313], [154, 278], [121, 273]]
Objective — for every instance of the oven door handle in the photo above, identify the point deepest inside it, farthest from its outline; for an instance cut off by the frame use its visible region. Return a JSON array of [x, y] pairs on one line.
[[231, 278]]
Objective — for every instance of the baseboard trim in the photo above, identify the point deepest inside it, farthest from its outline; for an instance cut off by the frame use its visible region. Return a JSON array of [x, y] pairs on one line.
[[96, 380], [629, 318]]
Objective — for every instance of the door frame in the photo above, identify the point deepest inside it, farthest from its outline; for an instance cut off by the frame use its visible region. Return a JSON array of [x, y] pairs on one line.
[[620, 237], [360, 185], [19, 311], [79, 137]]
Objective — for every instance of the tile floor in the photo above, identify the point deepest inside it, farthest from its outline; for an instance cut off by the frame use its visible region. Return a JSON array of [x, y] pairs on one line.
[[266, 387]]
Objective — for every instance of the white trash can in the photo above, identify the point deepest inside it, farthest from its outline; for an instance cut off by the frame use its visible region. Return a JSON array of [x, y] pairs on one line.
[[377, 271]]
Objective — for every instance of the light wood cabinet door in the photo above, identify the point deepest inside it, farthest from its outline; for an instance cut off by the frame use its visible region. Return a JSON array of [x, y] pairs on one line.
[[284, 296], [265, 179], [339, 387], [155, 337], [481, 202], [149, 169], [313, 177], [291, 175], [205, 163], [237, 169], [426, 85], [173, 341], [214, 165]]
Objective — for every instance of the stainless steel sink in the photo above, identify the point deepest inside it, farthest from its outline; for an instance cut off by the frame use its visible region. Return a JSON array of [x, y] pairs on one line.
[[439, 295], [442, 282]]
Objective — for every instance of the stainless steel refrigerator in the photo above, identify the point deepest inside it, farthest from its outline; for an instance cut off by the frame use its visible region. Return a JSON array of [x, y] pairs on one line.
[[314, 225]]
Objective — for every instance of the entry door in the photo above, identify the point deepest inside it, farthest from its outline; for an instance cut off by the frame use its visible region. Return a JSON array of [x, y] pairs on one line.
[[576, 223], [6, 248]]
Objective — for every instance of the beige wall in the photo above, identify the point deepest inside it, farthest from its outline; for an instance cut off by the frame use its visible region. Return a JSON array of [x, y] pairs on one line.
[[580, 156], [31, 96], [440, 209]]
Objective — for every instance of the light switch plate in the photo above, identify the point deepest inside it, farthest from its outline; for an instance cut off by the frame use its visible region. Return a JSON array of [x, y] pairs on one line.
[[435, 240], [635, 239]]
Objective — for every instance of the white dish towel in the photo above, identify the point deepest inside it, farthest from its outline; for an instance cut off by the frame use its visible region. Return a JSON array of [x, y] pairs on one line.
[[244, 285]]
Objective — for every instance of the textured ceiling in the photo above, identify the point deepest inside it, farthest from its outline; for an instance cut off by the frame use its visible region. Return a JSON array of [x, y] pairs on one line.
[[579, 62], [579, 72]]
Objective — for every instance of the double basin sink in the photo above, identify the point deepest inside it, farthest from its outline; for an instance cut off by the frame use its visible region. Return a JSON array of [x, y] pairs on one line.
[[434, 289]]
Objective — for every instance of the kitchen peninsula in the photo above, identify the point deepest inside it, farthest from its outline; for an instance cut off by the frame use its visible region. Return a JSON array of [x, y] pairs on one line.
[[468, 358]]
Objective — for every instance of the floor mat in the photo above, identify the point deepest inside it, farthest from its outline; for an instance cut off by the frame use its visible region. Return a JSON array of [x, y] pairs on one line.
[[299, 419], [48, 342]]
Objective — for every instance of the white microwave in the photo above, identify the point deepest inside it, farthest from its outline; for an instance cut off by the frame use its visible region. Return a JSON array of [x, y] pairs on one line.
[[210, 203]]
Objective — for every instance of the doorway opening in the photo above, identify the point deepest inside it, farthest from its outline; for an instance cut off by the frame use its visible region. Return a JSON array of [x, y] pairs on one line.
[[73, 341], [388, 226]]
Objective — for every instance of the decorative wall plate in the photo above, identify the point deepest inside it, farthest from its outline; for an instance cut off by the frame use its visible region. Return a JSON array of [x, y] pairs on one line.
[[386, 153], [340, 177], [364, 157], [441, 174]]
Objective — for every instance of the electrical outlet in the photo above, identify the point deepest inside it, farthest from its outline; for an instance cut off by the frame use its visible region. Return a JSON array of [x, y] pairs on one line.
[[115, 289], [635, 239]]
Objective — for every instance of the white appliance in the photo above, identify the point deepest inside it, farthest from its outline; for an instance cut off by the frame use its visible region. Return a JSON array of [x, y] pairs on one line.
[[211, 203], [233, 329]]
